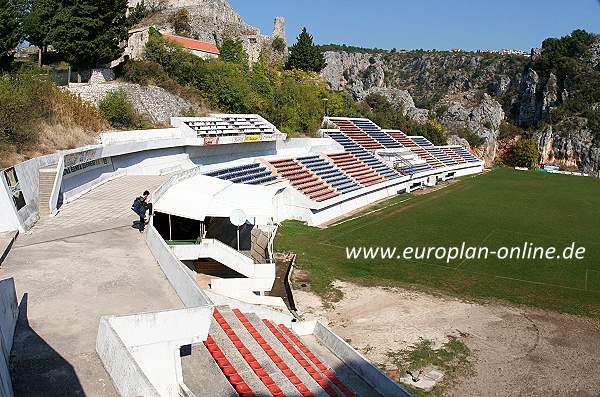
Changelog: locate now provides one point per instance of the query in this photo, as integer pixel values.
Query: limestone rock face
(483, 119)
(455, 140)
(157, 103)
(529, 109)
(579, 148)
(595, 54)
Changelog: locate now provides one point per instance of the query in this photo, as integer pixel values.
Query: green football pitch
(502, 208)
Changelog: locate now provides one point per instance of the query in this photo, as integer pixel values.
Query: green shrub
(278, 45)
(508, 130)
(181, 22)
(233, 51)
(524, 154)
(139, 12)
(118, 110)
(144, 73)
(471, 137)
(384, 113)
(37, 117)
(20, 110)
(432, 130)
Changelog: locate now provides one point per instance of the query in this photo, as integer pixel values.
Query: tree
(181, 22)
(10, 30)
(524, 153)
(278, 45)
(305, 55)
(139, 12)
(37, 24)
(432, 130)
(233, 51)
(385, 113)
(89, 33)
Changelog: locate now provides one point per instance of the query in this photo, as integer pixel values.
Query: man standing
(140, 206)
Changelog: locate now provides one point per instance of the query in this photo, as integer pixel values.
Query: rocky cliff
(478, 91)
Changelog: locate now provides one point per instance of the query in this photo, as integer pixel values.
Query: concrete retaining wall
(28, 174)
(141, 351)
(359, 364)
(9, 220)
(9, 312)
(179, 275)
(126, 374)
(206, 155)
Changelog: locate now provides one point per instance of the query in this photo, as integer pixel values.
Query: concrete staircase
(260, 358)
(46, 184)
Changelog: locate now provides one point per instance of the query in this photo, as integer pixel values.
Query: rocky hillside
(214, 21)
(552, 103)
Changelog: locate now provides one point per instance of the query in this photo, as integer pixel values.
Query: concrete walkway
(69, 271)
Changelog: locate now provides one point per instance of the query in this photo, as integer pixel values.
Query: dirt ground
(516, 351)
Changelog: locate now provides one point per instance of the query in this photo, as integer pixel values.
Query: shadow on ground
(36, 368)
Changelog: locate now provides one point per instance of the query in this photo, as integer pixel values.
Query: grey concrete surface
(6, 241)
(69, 271)
(341, 370)
(199, 367)
(106, 207)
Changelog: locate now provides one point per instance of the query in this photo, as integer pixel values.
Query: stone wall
(159, 104)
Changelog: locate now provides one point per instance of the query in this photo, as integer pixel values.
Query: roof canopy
(202, 196)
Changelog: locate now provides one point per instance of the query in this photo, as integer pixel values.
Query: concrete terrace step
(263, 359)
(260, 358)
(237, 361)
(200, 366)
(294, 365)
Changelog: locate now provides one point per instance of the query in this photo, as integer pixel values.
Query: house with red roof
(138, 37)
(202, 49)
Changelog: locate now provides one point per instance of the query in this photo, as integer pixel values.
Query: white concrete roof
(203, 196)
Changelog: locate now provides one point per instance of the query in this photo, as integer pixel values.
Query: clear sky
(427, 24)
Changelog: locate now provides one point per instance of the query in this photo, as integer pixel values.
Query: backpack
(137, 206)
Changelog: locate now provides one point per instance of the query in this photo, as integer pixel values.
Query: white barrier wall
(358, 363)
(179, 275)
(9, 220)
(207, 155)
(141, 351)
(214, 249)
(9, 312)
(28, 175)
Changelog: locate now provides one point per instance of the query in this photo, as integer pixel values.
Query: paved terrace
(70, 270)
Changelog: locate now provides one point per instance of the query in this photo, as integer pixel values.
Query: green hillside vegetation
(503, 208)
(37, 117)
(290, 98)
(568, 58)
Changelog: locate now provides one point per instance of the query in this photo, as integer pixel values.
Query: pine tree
(305, 55)
(37, 24)
(10, 30)
(89, 33)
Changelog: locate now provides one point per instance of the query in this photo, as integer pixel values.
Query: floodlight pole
(238, 239)
(325, 107)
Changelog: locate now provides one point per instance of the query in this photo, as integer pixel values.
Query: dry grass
(60, 121)
(50, 139)
(69, 110)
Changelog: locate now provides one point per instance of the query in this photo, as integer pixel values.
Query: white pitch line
(370, 212)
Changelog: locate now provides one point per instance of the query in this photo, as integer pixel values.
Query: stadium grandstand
(224, 184)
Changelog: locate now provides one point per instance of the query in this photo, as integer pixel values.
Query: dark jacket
(140, 206)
